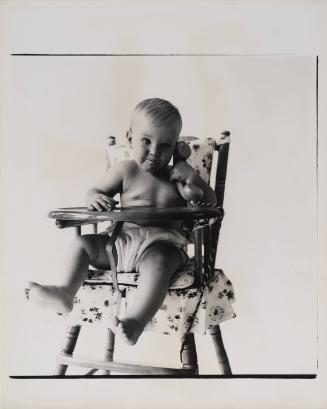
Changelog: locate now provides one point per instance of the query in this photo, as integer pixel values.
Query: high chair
(199, 297)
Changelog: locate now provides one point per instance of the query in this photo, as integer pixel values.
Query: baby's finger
(174, 176)
(109, 200)
(96, 206)
(105, 205)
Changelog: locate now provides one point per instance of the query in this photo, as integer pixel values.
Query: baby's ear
(129, 136)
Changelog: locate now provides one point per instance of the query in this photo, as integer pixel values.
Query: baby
(153, 250)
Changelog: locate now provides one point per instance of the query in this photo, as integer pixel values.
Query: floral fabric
(96, 303)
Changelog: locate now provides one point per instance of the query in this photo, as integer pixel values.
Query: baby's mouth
(154, 161)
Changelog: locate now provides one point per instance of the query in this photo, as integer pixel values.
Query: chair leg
(109, 351)
(189, 357)
(68, 347)
(109, 355)
(221, 354)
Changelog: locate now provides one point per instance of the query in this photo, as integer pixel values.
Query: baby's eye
(146, 141)
(165, 145)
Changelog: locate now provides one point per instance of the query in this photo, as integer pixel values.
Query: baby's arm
(184, 173)
(100, 196)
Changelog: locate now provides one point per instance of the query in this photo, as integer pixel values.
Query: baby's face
(152, 146)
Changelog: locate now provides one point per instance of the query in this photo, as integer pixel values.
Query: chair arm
(81, 215)
(73, 217)
(63, 224)
(193, 218)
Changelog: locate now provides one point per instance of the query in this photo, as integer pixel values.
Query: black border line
(317, 198)
(147, 55)
(240, 376)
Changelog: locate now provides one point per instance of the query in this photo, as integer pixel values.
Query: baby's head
(153, 133)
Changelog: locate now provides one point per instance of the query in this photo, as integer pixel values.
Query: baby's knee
(162, 256)
(86, 243)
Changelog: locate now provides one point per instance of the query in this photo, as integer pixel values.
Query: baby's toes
(121, 328)
(115, 321)
(27, 293)
(123, 331)
(29, 286)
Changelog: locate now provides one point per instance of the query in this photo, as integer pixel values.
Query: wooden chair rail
(141, 369)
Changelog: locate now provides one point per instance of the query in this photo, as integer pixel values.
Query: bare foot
(51, 297)
(129, 329)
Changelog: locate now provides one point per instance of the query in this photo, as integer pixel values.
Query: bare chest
(148, 190)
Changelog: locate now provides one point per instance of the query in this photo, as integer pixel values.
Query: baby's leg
(157, 266)
(84, 250)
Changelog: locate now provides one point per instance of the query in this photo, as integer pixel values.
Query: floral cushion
(201, 155)
(95, 304)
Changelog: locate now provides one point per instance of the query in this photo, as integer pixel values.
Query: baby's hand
(100, 202)
(181, 172)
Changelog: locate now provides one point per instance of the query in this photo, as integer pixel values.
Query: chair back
(209, 157)
(211, 234)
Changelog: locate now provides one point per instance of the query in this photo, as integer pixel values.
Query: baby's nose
(154, 151)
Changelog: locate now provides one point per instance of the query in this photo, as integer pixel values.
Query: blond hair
(161, 111)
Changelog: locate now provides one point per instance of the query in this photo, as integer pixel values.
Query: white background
(57, 111)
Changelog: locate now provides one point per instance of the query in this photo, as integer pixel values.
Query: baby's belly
(173, 224)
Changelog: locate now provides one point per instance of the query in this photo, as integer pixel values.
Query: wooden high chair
(208, 286)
